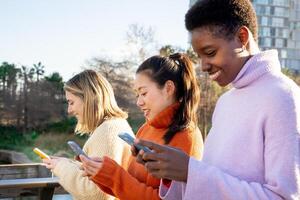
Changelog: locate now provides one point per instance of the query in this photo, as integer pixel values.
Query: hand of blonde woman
(164, 161)
(51, 163)
(91, 165)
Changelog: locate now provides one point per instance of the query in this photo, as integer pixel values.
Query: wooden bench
(27, 180)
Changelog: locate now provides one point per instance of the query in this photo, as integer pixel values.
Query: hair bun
(176, 56)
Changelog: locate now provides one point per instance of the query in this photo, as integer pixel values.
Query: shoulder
(281, 92)
(113, 124)
(112, 127)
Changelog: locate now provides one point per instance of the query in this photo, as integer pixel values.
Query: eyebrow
(142, 87)
(206, 47)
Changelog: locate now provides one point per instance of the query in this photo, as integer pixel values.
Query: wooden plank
(32, 179)
(17, 171)
(29, 183)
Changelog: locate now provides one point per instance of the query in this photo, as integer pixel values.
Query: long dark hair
(179, 69)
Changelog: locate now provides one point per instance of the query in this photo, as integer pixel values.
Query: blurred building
(279, 27)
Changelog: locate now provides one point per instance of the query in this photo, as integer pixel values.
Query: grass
(54, 144)
(52, 141)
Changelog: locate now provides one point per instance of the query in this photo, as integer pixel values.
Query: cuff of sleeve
(166, 182)
(175, 191)
(105, 174)
(196, 179)
(59, 169)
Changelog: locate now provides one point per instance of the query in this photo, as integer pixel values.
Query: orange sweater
(135, 182)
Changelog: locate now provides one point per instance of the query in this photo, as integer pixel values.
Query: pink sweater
(253, 148)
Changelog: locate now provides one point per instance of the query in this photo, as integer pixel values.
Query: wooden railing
(17, 180)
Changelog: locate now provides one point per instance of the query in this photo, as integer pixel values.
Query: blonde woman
(91, 100)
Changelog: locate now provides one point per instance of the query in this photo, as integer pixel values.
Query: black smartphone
(130, 140)
(76, 148)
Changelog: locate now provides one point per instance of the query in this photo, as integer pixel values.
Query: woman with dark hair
(253, 148)
(168, 94)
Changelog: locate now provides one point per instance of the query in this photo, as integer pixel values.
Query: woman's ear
(243, 35)
(170, 87)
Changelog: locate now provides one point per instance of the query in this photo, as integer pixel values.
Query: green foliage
(54, 144)
(12, 139)
(56, 79)
(135, 123)
(64, 126)
(293, 74)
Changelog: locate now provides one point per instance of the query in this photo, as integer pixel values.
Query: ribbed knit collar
(256, 66)
(165, 117)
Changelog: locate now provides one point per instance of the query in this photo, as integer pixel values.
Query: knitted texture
(136, 182)
(104, 141)
(253, 148)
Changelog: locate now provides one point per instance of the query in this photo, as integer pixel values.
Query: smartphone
(41, 153)
(76, 148)
(130, 140)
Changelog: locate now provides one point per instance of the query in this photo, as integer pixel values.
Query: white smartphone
(76, 148)
(130, 140)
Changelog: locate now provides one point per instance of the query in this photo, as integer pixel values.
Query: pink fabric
(253, 148)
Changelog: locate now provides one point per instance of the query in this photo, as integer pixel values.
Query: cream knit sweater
(103, 141)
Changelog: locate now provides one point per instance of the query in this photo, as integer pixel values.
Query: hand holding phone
(40, 153)
(130, 140)
(76, 148)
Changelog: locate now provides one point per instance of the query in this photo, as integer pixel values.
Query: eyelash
(211, 54)
(143, 94)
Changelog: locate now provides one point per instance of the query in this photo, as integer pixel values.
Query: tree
(38, 70)
(8, 79)
(167, 50)
(26, 74)
(141, 42)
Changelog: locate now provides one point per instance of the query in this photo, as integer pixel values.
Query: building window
(279, 42)
(264, 21)
(273, 42)
(285, 33)
(279, 11)
(266, 42)
(264, 31)
(277, 21)
(261, 1)
(273, 32)
(279, 2)
(283, 54)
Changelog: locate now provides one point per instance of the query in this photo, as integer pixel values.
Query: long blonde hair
(98, 98)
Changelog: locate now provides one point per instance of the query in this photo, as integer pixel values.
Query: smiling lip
(213, 76)
(146, 112)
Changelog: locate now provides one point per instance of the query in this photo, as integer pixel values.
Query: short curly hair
(223, 17)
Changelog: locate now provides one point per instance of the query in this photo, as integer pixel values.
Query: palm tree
(39, 70)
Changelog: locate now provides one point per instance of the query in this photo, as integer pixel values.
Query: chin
(223, 83)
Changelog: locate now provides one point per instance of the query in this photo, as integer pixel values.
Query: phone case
(76, 148)
(41, 153)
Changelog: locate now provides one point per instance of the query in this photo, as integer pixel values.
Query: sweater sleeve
(78, 186)
(103, 141)
(122, 184)
(281, 161)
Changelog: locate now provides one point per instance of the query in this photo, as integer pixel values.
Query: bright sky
(64, 34)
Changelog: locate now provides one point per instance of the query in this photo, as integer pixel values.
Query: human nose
(139, 102)
(205, 65)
